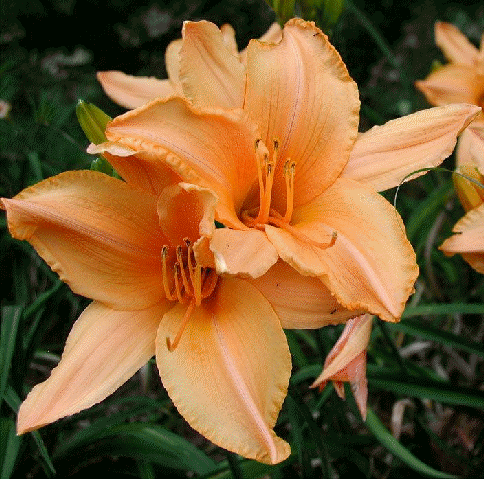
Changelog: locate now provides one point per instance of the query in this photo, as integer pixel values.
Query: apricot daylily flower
(293, 178)
(468, 231)
(219, 345)
(460, 80)
(347, 361)
(131, 92)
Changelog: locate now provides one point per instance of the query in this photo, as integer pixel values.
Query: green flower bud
(93, 121)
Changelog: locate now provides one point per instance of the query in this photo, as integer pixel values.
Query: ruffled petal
(210, 73)
(300, 301)
(300, 93)
(104, 349)
(454, 45)
(242, 252)
(452, 83)
(384, 155)
(371, 266)
(213, 149)
(132, 92)
(229, 374)
(468, 239)
(99, 234)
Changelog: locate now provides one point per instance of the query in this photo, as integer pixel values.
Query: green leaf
(388, 441)
(284, 9)
(443, 309)
(298, 443)
(13, 401)
(148, 442)
(11, 315)
(9, 447)
(441, 392)
(41, 300)
(299, 358)
(419, 222)
(445, 338)
(99, 428)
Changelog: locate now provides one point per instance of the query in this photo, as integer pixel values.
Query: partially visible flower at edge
(294, 179)
(347, 361)
(131, 92)
(461, 80)
(468, 231)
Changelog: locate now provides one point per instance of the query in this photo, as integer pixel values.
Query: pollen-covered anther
(289, 173)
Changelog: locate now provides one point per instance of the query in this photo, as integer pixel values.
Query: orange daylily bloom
(468, 231)
(132, 92)
(294, 179)
(139, 254)
(461, 80)
(347, 361)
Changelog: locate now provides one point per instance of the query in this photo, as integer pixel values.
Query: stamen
(198, 284)
(289, 171)
(260, 158)
(178, 291)
(173, 345)
(166, 287)
(269, 171)
(182, 270)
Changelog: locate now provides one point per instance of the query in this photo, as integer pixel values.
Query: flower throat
(266, 215)
(191, 282)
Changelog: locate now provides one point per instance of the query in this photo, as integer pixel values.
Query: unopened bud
(93, 121)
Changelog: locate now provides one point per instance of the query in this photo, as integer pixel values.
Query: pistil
(173, 345)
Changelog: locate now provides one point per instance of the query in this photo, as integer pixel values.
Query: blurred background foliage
(425, 373)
